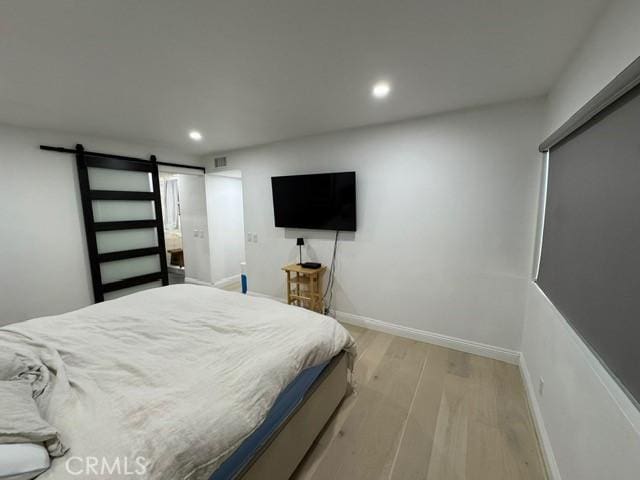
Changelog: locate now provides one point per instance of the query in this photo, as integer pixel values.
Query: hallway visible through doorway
(170, 195)
(226, 226)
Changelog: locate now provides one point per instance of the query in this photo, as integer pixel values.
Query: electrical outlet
(255, 238)
(541, 386)
(249, 237)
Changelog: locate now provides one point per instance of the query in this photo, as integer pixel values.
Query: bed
(197, 382)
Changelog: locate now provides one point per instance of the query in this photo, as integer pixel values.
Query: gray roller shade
(590, 266)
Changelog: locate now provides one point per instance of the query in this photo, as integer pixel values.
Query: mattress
(284, 406)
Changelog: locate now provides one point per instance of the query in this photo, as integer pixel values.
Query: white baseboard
(468, 346)
(225, 282)
(195, 281)
(545, 442)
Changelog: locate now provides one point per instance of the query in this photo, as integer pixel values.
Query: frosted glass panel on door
(130, 181)
(119, 210)
(127, 291)
(132, 267)
(118, 240)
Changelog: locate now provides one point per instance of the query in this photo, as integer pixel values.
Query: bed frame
(278, 458)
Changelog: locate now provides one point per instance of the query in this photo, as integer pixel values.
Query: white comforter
(177, 376)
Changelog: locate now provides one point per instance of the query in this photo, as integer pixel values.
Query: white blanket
(173, 378)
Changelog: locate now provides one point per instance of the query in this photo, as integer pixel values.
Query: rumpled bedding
(167, 382)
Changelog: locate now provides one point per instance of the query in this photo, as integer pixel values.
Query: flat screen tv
(324, 201)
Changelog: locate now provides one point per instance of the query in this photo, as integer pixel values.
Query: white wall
(592, 426)
(45, 268)
(446, 215)
(226, 225)
(612, 45)
(195, 231)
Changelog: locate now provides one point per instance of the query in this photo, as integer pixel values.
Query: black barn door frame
(84, 160)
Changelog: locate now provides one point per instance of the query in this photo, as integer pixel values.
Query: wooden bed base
(279, 457)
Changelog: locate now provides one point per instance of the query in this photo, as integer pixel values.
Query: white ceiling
(246, 72)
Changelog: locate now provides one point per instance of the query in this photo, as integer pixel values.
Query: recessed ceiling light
(381, 90)
(195, 135)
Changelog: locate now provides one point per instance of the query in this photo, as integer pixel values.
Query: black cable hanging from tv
(332, 271)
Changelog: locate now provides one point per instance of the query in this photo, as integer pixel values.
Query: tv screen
(325, 201)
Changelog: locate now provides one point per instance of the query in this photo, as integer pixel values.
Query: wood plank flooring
(420, 411)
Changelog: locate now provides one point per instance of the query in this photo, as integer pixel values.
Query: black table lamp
(300, 243)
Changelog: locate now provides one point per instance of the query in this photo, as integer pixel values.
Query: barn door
(123, 222)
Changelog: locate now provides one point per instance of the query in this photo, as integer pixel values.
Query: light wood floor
(233, 287)
(421, 411)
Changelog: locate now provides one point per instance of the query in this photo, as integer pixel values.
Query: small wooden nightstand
(304, 289)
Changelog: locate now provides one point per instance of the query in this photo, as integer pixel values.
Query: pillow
(20, 420)
(23, 461)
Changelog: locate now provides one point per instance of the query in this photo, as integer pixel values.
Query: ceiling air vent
(220, 162)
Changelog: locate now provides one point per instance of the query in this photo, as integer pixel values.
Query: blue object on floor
(243, 279)
(284, 405)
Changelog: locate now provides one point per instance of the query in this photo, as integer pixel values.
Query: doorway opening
(171, 218)
(226, 227)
